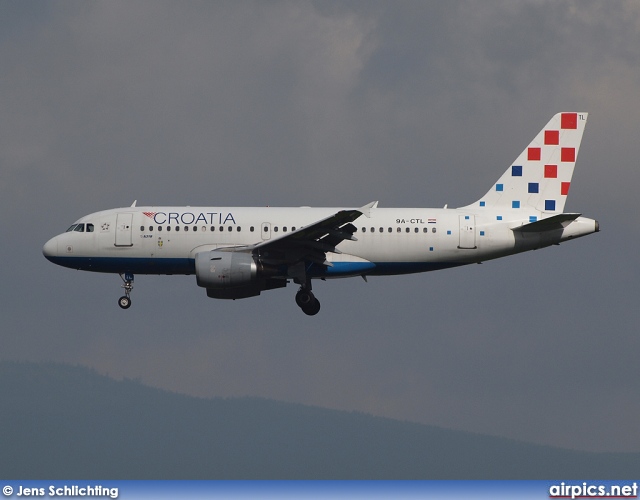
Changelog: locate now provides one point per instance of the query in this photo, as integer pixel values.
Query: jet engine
(232, 275)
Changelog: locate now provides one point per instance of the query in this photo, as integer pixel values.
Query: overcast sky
(414, 104)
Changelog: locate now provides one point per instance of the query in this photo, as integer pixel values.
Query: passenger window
(364, 229)
(390, 230)
(195, 228)
(293, 228)
(79, 228)
(213, 228)
(141, 228)
(433, 230)
(373, 229)
(407, 230)
(416, 230)
(265, 229)
(168, 228)
(159, 228)
(150, 228)
(89, 228)
(275, 229)
(186, 228)
(177, 228)
(252, 229)
(284, 229)
(230, 228)
(221, 228)
(399, 229)
(425, 230)
(238, 229)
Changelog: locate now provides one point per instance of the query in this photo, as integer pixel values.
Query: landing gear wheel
(125, 301)
(312, 308)
(307, 302)
(304, 298)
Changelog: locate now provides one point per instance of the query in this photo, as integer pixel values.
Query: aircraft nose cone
(50, 248)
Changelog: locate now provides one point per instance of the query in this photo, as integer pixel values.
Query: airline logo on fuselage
(188, 218)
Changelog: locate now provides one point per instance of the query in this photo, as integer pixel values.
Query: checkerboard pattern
(538, 181)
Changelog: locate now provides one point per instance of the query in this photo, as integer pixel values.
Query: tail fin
(539, 180)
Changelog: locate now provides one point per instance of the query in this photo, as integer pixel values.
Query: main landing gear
(125, 301)
(307, 301)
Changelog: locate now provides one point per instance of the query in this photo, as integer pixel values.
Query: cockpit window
(80, 228)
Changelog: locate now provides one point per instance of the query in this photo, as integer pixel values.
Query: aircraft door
(266, 231)
(467, 232)
(123, 230)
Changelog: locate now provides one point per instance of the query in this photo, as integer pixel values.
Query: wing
(310, 243)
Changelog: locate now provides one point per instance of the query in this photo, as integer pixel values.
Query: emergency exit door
(467, 232)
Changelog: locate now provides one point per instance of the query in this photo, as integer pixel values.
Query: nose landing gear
(125, 301)
(307, 301)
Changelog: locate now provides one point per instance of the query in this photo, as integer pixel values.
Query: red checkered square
(569, 120)
(564, 188)
(568, 154)
(551, 171)
(552, 137)
(533, 154)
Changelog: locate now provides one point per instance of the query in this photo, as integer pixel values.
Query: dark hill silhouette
(62, 422)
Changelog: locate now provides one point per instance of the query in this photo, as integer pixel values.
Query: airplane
(239, 252)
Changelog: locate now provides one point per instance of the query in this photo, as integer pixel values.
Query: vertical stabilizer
(538, 181)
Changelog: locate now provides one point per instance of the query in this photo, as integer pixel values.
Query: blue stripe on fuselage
(187, 266)
(376, 268)
(127, 265)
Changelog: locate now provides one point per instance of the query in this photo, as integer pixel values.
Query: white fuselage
(165, 240)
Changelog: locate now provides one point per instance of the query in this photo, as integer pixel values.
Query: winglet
(366, 210)
(134, 203)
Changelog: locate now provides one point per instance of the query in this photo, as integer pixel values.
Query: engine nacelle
(222, 270)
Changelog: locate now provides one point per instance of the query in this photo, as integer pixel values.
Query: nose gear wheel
(125, 301)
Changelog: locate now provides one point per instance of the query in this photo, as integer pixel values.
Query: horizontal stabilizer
(556, 222)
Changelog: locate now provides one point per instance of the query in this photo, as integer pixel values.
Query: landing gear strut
(125, 301)
(307, 301)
